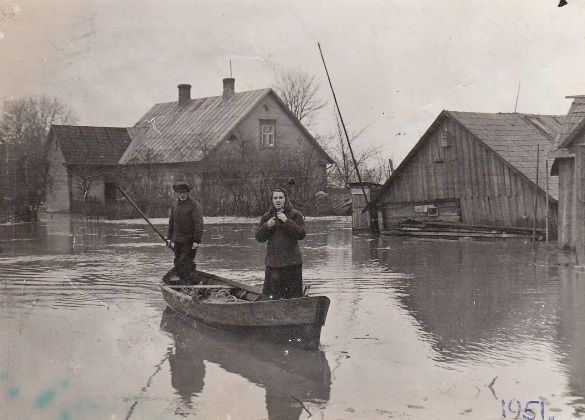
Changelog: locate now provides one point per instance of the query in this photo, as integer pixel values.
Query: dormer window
(268, 133)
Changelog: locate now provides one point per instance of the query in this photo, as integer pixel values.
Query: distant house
(233, 147)
(75, 152)
(474, 168)
(569, 165)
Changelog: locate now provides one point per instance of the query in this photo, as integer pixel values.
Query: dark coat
(185, 221)
(283, 247)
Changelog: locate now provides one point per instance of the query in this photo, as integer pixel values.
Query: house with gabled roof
(233, 147)
(74, 152)
(477, 169)
(569, 165)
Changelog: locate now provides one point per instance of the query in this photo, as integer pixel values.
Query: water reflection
(414, 317)
(571, 334)
(469, 297)
(288, 375)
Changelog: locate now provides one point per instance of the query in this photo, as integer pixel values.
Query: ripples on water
(413, 322)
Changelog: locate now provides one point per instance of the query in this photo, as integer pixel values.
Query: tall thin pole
(547, 209)
(344, 129)
(535, 199)
(517, 95)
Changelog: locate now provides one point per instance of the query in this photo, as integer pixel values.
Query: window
(445, 138)
(268, 133)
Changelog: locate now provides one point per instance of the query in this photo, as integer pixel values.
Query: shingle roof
(91, 145)
(181, 133)
(573, 122)
(516, 138)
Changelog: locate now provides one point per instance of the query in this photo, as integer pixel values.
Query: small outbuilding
(569, 166)
(476, 169)
(75, 152)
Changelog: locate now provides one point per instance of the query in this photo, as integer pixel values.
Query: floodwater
(417, 329)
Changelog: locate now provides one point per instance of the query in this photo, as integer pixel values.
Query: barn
(477, 169)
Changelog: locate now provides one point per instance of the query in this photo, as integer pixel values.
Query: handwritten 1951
(513, 409)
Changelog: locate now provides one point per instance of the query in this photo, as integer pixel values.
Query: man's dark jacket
(282, 249)
(185, 221)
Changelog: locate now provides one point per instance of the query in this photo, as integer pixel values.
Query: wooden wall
(291, 146)
(567, 203)
(449, 210)
(579, 204)
(489, 190)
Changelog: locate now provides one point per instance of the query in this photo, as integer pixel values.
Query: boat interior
(210, 288)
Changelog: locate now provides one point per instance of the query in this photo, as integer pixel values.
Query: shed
(361, 220)
(475, 168)
(569, 165)
(77, 151)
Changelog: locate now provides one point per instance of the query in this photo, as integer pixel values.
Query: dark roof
(90, 145)
(185, 133)
(514, 137)
(574, 122)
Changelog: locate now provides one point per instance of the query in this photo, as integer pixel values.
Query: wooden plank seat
(201, 286)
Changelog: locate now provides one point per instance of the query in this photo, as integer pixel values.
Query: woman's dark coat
(283, 248)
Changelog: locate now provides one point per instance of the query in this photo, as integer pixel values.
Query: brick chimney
(184, 94)
(228, 87)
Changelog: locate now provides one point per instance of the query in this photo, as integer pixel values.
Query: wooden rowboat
(237, 307)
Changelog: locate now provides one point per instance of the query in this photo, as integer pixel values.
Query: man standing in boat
(185, 229)
(282, 226)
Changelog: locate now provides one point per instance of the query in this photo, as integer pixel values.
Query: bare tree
(300, 92)
(241, 177)
(378, 170)
(23, 131)
(342, 172)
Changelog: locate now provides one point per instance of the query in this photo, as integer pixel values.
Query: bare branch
(300, 92)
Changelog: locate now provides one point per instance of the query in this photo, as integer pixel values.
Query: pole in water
(547, 204)
(535, 199)
(372, 227)
(145, 218)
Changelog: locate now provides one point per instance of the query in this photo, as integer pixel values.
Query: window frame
(268, 123)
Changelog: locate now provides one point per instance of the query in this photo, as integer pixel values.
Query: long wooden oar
(145, 218)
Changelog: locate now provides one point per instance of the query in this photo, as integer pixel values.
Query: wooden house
(75, 152)
(569, 165)
(233, 147)
(476, 169)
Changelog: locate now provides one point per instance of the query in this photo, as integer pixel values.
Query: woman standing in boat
(282, 226)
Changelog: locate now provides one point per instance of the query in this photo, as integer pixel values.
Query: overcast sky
(394, 64)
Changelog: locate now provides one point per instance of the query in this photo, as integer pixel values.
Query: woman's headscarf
(287, 205)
